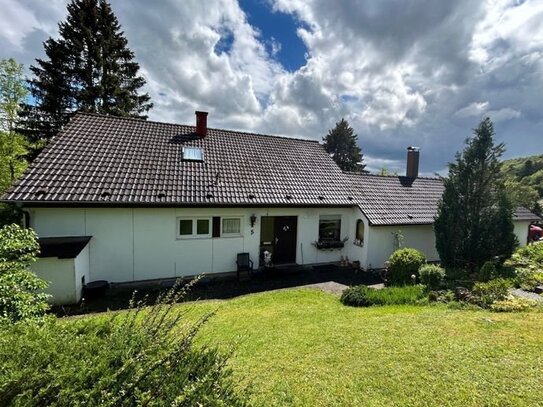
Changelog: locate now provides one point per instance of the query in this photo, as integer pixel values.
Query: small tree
(474, 220)
(341, 143)
(13, 146)
(19, 296)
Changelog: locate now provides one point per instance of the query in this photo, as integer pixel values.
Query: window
(231, 226)
(192, 228)
(329, 228)
(359, 240)
(193, 154)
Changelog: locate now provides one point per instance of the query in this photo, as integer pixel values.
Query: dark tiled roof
(394, 200)
(524, 214)
(111, 160)
(62, 247)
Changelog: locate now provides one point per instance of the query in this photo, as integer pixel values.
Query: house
(124, 200)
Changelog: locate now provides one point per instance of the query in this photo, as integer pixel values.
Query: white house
(138, 200)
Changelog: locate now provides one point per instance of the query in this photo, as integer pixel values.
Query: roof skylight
(193, 154)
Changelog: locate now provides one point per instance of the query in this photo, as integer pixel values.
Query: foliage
(341, 143)
(522, 195)
(19, 299)
(13, 147)
(528, 256)
(403, 264)
(445, 296)
(363, 296)
(88, 68)
(488, 271)
(431, 275)
(485, 294)
(528, 172)
(135, 358)
(474, 221)
(528, 278)
(513, 304)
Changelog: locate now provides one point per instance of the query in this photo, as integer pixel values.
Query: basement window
(193, 154)
(193, 228)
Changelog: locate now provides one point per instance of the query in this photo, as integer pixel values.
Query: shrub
(488, 271)
(513, 304)
(20, 298)
(431, 276)
(445, 296)
(404, 263)
(494, 290)
(140, 357)
(528, 256)
(528, 279)
(362, 296)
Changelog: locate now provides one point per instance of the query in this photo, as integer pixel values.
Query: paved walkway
(526, 294)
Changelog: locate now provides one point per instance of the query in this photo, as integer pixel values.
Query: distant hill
(526, 170)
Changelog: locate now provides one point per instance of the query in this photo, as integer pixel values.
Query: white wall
(381, 242)
(60, 274)
(140, 243)
(82, 276)
(521, 231)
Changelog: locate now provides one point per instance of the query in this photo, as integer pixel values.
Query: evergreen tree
(341, 143)
(89, 68)
(474, 223)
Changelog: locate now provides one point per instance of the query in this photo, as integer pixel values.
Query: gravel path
(526, 294)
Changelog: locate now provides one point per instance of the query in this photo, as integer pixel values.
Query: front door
(285, 231)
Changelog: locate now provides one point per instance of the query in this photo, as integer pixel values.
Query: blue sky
(277, 28)
(422, 72)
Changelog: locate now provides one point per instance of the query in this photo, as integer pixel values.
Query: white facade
(66, 277)
(136, 244)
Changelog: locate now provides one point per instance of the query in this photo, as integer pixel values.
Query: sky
(402, 73)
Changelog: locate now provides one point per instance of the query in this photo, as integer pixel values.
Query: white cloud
(475, 109)
(418, 75)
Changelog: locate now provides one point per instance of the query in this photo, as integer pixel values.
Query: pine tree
(89, 68)
(474, 223)
(341, 143)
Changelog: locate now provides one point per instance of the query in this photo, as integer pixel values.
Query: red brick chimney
(412, 169)
(201, 123)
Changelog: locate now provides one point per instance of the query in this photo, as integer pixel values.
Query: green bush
(488, 271)
(487, 293)
(431, 276)
(404, 263)
(20, 298)
(145, 356)
(362, 296)
(528, 279)
(513, 304)
(530, 256)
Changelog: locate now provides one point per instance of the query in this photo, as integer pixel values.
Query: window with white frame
(193, 228)
(231, 226)
(193, 154)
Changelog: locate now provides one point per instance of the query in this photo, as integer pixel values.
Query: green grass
(304, 348)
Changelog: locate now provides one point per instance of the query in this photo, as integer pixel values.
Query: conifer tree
(474, 223)
(88, 68)
(341, 143)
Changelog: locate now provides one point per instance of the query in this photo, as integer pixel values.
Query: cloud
(418, 74)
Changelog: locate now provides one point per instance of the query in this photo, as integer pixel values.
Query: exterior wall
(381, 243)
(134, 244)
(60, 273)
(82, 276)
(521, 231)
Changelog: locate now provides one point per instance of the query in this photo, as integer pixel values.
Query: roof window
(193, 154)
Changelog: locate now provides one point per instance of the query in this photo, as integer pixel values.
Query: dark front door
(285, 228)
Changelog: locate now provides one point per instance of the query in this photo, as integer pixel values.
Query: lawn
(304, 348)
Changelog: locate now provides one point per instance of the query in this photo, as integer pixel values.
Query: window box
(329, 244)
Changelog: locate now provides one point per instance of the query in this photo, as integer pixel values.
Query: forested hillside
(524, 180)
